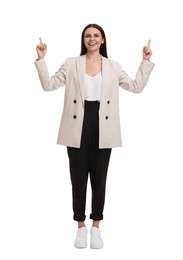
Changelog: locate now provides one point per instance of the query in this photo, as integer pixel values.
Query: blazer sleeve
(136, 85)
(50, 83)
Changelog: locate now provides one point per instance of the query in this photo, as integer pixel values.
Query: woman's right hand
(41, 49)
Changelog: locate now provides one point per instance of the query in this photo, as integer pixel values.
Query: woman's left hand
(147, 53)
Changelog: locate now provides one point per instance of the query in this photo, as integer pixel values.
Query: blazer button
(75, 101)
(108, 102)
(74, 116)
(106, 117)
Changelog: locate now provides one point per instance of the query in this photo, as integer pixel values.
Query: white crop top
(93, 87)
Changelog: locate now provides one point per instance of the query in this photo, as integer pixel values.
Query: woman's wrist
(40, 58)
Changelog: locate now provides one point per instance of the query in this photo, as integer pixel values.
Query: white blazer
(71, 74)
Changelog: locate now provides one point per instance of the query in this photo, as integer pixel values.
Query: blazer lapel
(81, 68)
(105, 78)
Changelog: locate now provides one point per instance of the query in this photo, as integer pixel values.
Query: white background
(143, 211)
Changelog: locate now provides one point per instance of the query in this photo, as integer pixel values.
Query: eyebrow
(88, 34)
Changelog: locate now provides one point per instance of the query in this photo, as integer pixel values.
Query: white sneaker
(81, 238)
(96, 241)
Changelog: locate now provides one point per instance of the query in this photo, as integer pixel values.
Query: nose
(92, 38)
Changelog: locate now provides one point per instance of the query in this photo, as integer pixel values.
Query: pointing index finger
(148, 45)
(40, 40)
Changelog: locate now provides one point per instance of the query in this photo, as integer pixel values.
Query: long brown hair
(103, 47)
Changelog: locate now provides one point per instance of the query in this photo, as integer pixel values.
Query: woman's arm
(48, 83)
(137, 85)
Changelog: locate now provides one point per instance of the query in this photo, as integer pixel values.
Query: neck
(94, 56)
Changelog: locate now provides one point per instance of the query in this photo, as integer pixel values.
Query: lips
(92, 44)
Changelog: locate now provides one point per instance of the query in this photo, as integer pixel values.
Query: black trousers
(89, 160)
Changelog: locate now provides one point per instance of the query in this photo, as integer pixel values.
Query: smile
(92, 44)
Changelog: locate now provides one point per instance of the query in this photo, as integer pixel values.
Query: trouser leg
(78, 161)
(98, 177)
(79, 177)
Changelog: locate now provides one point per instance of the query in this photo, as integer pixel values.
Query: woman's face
(93, 39)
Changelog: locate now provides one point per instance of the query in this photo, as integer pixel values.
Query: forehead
(92, 30)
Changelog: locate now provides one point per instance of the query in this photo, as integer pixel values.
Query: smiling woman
(97, 32)
(93, 40)
(90, 125)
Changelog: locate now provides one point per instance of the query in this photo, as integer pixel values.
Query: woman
(90, 125)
